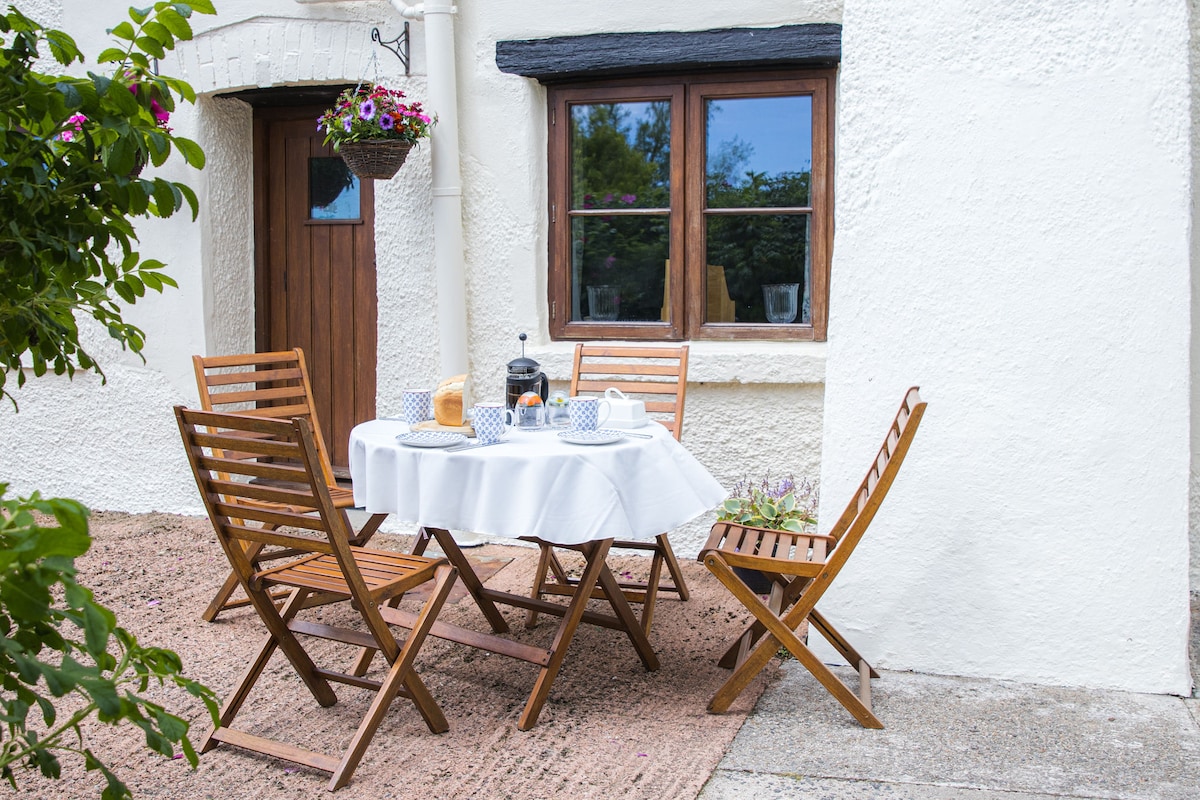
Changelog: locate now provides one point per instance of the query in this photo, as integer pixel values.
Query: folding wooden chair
(658, 377)
(274, 385)
(325, 568)
(801, 567)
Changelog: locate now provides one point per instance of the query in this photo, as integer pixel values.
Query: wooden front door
(315, 266)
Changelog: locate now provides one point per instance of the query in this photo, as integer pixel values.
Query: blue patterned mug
(418, 405)
(585, 413)
(488, 422)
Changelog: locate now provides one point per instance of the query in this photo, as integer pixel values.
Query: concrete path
(962, 738)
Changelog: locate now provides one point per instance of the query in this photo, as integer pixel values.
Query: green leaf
(97, 628)
(62, 47)
(159, 33)
(125, 292)
(203, 6)
(793, 525)
(124, 31)
(193, 204)
(151, 46)
(109, 55)
(140, 15)
(191, 151)
(176, 23)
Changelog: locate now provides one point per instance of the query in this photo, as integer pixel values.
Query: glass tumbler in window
(780, 301)
(604, 302)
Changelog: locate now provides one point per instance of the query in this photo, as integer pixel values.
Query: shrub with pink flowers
(375, 112)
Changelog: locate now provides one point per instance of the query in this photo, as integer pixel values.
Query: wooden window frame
(686, 289)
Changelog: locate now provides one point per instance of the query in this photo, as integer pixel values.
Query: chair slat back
(235, 504)
(655, 375)
(852, 524)
(273, 385)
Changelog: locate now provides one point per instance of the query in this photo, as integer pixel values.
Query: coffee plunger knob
(522, 337)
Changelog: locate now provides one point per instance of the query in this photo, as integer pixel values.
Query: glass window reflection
(621, 155)
(332, 190)
(758, 152)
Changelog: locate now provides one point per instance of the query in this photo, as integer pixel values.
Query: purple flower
(367, 111)
(346, 123)
(610, 262)
(386, 122)
(608, 198)
(628, 199)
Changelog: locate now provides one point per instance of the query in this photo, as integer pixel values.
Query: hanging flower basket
(375, 158)
(372, 129)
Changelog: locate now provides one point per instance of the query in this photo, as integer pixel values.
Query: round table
(534, 484)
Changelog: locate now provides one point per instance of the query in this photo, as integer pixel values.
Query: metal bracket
(399, 46)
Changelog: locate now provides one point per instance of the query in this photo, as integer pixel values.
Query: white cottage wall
(1194, 505)
(1013, 223)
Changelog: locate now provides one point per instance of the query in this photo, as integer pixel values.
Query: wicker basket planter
(375, 158)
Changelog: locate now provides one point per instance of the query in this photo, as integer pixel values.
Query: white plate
(591, 437)
(431, 438)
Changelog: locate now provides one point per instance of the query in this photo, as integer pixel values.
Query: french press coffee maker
(524, 375)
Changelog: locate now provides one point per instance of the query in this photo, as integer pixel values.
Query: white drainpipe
(438, 16)
(447, 183)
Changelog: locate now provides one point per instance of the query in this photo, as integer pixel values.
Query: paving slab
(963, 737)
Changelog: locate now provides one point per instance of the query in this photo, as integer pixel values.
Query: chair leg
(278, 637)
(780, 631)
(400, 675)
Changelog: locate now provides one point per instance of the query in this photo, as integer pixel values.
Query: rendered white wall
(1194, 505)
(1013, 235)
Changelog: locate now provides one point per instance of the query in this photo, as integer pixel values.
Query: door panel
(315, 276)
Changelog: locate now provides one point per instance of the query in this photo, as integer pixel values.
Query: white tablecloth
(535, 484)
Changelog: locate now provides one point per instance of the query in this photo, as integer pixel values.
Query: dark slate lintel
(612, 55)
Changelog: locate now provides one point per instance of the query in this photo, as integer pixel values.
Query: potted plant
(372, 129)
(781, 506)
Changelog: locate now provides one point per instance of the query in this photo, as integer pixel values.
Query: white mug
(488, 422)
(585, 413)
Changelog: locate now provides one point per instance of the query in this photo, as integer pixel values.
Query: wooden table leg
(466, 574)
(616, 598)
(566, 631)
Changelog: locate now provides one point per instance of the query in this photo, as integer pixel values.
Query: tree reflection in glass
(620, 206)
(758, 157)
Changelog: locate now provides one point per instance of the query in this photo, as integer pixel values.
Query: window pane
(747, 252)
(618, 268)
(332, 190)
(759, 152)
(620, 155)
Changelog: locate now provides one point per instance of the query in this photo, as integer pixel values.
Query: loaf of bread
(448, 401)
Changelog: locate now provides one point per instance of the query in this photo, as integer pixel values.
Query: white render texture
(1013, 235)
